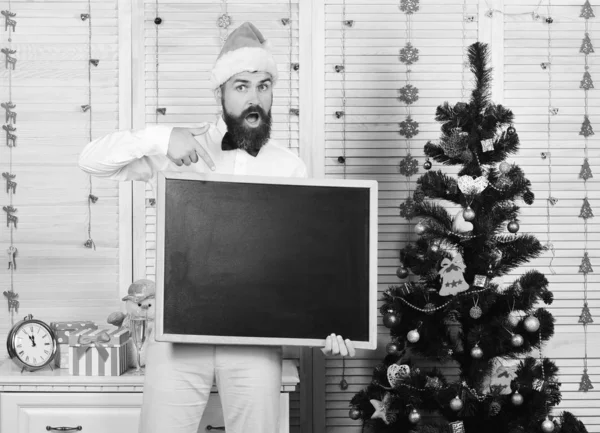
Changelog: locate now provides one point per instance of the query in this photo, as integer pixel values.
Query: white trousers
(179, 378)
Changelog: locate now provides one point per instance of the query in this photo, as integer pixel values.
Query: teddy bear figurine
(138, 302)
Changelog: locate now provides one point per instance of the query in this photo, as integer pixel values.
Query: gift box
(61, 359)
(98, 352)
(62, 330)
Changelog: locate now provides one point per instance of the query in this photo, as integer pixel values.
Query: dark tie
(228, 144)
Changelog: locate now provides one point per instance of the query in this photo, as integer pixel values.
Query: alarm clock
(31, 344)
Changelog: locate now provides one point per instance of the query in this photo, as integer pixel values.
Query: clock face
(33, 344)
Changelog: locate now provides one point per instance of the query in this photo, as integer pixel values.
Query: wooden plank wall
(374, 150)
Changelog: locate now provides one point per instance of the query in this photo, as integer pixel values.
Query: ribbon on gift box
(101, 337)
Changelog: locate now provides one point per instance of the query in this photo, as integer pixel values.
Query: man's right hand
(184, 149)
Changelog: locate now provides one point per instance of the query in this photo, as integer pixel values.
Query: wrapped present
(63, 329)
(98, 352)
(61, 359)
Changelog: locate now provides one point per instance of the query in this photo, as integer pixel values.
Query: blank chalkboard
(265, 260)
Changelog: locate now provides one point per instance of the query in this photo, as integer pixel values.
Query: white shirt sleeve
(128, 155)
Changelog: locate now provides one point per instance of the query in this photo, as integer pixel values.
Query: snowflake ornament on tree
(586, 171)
(586, 82)
(409, 6)
(409, 166)
(408, 94)
(409, 54)
(586, 210)
(409, 128)
(586, 45)
(586, 127)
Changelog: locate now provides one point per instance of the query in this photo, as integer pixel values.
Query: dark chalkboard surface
(264, 260)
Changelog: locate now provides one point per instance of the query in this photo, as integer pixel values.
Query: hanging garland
(87, 108)
(586, 173)
(293, 67)
(9, 127)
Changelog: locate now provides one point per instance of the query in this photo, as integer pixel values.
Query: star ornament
(382, 409)
(409, 6)
(409, 54)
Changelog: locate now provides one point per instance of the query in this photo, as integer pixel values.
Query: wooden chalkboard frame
(161, 335)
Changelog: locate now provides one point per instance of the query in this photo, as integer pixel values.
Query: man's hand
(336, 345)
(184, 149)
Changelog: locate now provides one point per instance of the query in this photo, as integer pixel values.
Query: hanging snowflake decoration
(585, 317)
(409, 6)
(409, 166)
(407, 209)
(586, 210)
(409, 54)
(586, 82)
(586, 384)
(224, 21)
(408, 94)
(586, 45)
(586, 170)
(586, 127)
(586, 11)
(409, 128)
(586, 266)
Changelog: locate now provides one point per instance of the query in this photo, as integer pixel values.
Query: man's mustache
(254, 109)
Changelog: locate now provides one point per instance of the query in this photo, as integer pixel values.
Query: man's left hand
(336, 345)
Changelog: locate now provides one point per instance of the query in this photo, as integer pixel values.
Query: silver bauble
(516, 399)
(456, 404)
(531, 323)
(434, 248)
(547, 426)
(476, 352)
(413, 336)
(420, 228)
(402, 272)
(516, 340)
(513, 226)
(469, 214)
(475, 312)
(513, 319)
(504, 167)
(414, 417)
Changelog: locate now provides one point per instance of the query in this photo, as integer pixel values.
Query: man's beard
(248, 138)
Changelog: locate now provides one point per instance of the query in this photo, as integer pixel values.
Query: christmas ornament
(586, 82)
(469, 185)
(453, 280)
(469, 214)
(460, 106)
(487, 145)
(392, 348)
(456, 404)
(413, 336)
(586, 11)
(409, 54)
(397, 373)
(456, 143)
(391, 319)
(341, 159)
(409, 128)
(408, 94)
(516, 399)
(457, 427)
(427, 165)
(549, 20)
(531, 323)
(409, 6)
(586, 384)
(419, 195)
(382, 409)
(476, 352)
(586, 266)
(475, 312)
(504, 167)
(434, 248)
(402, 272)
(344, 384)
(479, 280)
(409, 166)
(586, 127)
(517, 340)
(585, 317)
(586, 171)
(355, 413)
(495, 408)
(586, 210)
(459, 225)
(511, 130)
(414, 416)
(586, 45)
(547, 426)
(513, 226)
(433, 383)
(429, 308)
(420, 228)
(513, 319)
(407, 209)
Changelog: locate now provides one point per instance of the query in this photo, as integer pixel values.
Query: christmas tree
(454, 308)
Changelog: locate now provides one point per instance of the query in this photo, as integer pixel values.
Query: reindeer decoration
(10, 183)
(11, 116)
(8, 20)
(10, 218)
(9, 59)
(11, 139)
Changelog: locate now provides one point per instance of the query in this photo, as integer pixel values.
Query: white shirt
(141, 154)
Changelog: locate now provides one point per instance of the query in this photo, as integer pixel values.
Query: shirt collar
(221, 129)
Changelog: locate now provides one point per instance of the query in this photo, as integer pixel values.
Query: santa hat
(244, 50)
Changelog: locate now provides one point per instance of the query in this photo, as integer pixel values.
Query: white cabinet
(47, 401)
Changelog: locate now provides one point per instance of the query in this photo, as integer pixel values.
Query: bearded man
(179, 377)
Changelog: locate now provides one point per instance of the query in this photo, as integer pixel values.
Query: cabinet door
(90, 412)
